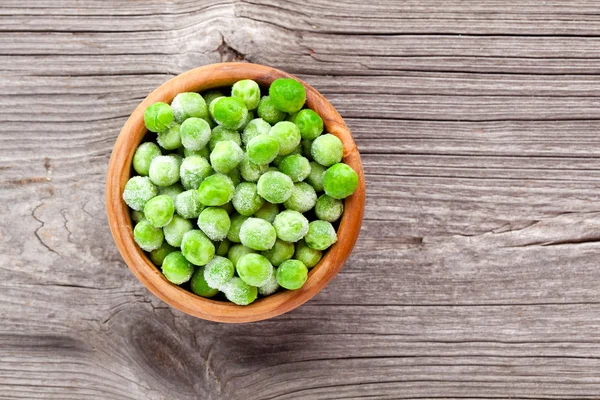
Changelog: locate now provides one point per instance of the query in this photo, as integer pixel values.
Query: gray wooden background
(476, 273)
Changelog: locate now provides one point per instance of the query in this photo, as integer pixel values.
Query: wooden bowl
(119, 171)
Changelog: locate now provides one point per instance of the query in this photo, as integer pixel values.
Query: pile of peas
(237, 194)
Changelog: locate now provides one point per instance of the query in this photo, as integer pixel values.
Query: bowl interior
(119, 170)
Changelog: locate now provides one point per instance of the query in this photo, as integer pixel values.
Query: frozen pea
(136, 216)
(200, 286)
(280, 252)
(144, 154)
(229, 112)
(170, 139)
(270, 286)
(138, 190)
(262, 149)
(292, 274)
(164, 170)
(189, 105)
(211, 106)
(327, 150)
(175, 230)
(158, 117)
(321, 235)
(268, 212)
(176, 268)
(275, 187)
(310, 257)
(287, 94)
(172, 190)
(237, 251)
(214, 222)
(210, 95)
(267, 111)
(228, 207)
(295, 166)
(290, 226)
(249, 117)
(248, 92)
(302, 199)
(147, 236)
(197, 247)
(239, 292)
(220, 134)
(309, 123)
(188, 204)
(223, 248)
(340, 181)
(250, 171)
(256, 127)
(204, 152)
(257, 234)
(315, 178)
(193, 171)
(328, 208)
(216, 190)
(226, 156)
(218, 272)
(254, 269)
(195, 134)
(306, 146)
(246, 199)
(157, 256)
(159, 210)
(235, 176)
(288, 136)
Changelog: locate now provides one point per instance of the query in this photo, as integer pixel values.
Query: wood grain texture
(476, 272)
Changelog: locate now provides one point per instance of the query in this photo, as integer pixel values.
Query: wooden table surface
(476, 273)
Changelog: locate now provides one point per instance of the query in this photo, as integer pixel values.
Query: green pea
(175, 230)
(157, 256)
(246, 199)
(193, 171)
(204, 152)
(320, 235)
(218, 272)
(197, 247)
(220, 134)
(254, 269)
(249, 117)
(176, 268)
(194, 133)
(223, 248)
(214, 222)
(340, 181)
(236, 224)
(239, 292)
(262, 149)
(310, 257)
(235, 176)
(250, 171)
(216, 190)
(288, 136)
(172, 190)
(171, 138)
(280, 252)
(138, 190)
(144, 154)
(188, 204)
(256, 127)
(328, 208)
(275, 187)
(288, 94)
(295, 166)
(189, 105)
(271, 286)
(211, 95)
(136, 216)
(229, 112)
(226, 156)
(158, 117)
(267, 111)
(237, 251)
(248, 92)
(292, 274)
(228, 207)
(315, 178)
(309, 123)
(268, 212)
(199, 285)
(302, 199)
(327, 150)
(290, 226)
(164, 170)
(147, 236)
(159, 210)
(306, 147)
(257, 234)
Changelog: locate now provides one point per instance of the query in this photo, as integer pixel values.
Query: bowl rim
(119, 171)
